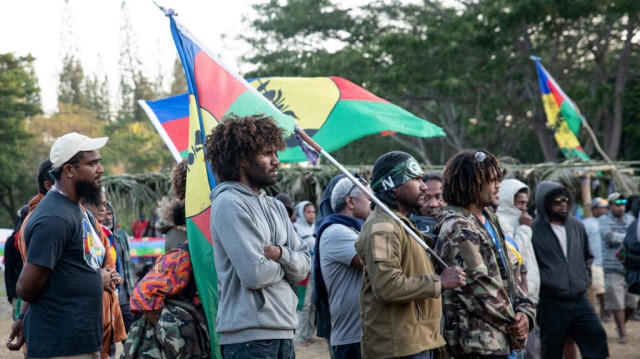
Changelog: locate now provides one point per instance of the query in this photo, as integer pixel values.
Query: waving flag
(214, 91)
(563, 117)
(332, 110)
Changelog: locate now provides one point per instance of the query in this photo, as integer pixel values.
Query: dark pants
(559, 317)
(347, 351)
(260, 349)
(476, 356)
(127, 316)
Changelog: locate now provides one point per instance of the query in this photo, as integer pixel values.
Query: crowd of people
(508, 276)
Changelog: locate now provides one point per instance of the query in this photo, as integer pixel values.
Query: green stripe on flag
(202, 262)
(354, 119)
(572, 117)
(574, 153)
(251, 103)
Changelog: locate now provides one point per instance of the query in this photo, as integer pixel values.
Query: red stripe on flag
(217, 88)
(556, 94)
(351, 91)
(202, 221)
(387, 133)
(178, 131)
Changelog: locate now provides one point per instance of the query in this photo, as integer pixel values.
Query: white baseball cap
(68, 145)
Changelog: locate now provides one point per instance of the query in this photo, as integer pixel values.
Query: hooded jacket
(560, 277)
(303, 228)
(256, 301)
(521, 234)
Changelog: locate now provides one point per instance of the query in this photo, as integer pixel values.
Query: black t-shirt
(66, 319)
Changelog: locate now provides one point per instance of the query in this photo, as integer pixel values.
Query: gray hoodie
(255, 301)
(509, 216)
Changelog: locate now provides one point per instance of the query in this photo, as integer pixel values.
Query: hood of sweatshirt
(542, 190)
(301, 223)
(507, 210)
(225, 186)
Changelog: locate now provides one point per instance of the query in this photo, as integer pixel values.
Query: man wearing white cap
(61, 278)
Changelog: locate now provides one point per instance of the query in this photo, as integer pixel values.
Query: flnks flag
(563, 117)
(332, 110)
(214, 91)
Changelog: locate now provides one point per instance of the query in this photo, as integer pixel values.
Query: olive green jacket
(400, 306)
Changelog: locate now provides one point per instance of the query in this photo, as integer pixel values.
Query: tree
(19, 100)
(71, 82)
(179, 80)
(98, 97)
(134, 145)
(466, 68)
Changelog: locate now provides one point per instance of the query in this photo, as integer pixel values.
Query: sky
(44, 28)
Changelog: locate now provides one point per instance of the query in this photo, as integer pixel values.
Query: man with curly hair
(490, 316)
(256, 250)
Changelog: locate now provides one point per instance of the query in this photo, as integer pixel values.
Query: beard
(559, 216)
(89, 192)
(260, 176)
(108, 222)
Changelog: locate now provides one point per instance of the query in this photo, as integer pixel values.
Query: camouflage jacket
(478, 314)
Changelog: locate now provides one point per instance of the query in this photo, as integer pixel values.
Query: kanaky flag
(563, 117)
(214, 91)
(332, 110)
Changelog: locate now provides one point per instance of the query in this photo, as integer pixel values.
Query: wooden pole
(586, 194)
(614, 171)
(378, 203)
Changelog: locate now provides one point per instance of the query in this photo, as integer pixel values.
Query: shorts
(597, 279)
(616, 296)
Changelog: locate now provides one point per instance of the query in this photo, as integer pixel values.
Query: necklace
(55, 189)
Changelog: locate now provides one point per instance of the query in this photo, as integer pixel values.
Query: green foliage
(19, 100)
(132, 194)
(71, 82)
(465, 68)
(179, 82)
(631, 126)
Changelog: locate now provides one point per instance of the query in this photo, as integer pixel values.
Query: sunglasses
(561, 200)
(480, 156)
(620, 202)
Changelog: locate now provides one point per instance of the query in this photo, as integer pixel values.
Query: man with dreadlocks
(257, 252)
(400, 307)
(491, 316)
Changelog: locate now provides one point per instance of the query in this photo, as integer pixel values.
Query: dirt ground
(319, 349)
(631, 350)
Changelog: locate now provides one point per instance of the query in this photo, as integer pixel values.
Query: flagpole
(596, 144)
(584, 122)
(378, 203)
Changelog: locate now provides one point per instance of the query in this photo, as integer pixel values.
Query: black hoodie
(560, 277)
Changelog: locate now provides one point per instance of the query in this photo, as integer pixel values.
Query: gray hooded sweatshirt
(560, 277)
(255, 300)
(509, 216)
